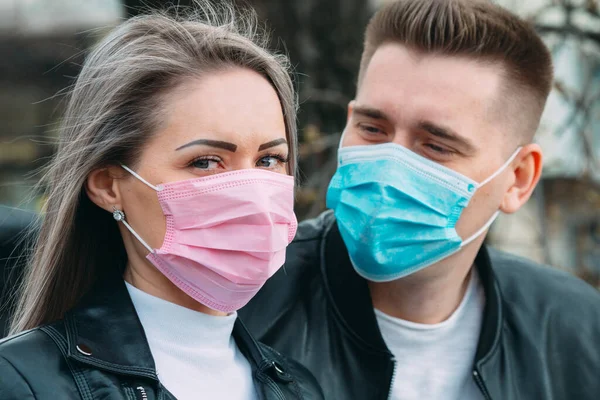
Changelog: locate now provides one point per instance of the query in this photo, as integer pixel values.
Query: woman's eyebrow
(272, 143)
(212, 143)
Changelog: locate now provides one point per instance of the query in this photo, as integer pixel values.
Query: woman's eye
(205, 163)
(270, 161)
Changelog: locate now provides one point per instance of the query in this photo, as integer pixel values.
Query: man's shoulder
(305, 250)
(550, 327)
(313, 229)
(530, 287)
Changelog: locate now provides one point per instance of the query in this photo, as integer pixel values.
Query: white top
(435, 362)
(195, 354)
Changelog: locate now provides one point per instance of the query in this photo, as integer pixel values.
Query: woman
(169, 204)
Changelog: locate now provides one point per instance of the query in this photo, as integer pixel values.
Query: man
(392, 294)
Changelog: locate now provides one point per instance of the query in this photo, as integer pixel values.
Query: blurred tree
(134, 7)
(324, 42)
(562, 230)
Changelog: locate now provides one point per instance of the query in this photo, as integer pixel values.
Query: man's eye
(369, 129)
(438, 149)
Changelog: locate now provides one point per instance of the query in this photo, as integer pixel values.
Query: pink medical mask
(226, 234)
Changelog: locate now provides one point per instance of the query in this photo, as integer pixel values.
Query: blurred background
(43, 43)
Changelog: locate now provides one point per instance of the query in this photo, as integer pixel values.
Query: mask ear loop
(132, 172)
(119, 216)
(481, 230)
(502, 168)
(497, 213)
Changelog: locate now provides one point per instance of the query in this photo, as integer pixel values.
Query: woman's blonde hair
(113, 109)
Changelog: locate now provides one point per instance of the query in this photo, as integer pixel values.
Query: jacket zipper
(392, 381)
(129, 392)
(481, 385)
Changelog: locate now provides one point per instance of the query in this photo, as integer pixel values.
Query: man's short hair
(476, 29)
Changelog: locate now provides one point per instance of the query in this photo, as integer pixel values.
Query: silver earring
(118, 215)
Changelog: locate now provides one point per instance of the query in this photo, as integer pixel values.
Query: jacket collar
(491, 327)
(350, 293)
(104, 331)
(352, 300)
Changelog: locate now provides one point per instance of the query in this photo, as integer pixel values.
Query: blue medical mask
(397, 210)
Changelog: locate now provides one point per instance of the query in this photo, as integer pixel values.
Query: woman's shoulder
(306, 382)
(23, 343)
(30, 362)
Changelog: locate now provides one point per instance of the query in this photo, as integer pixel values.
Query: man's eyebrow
(447, 134)
(212, 143)
(272, 143)
(370, 112)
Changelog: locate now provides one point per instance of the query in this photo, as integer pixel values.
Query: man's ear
(102, 187)
(528, 170)
(350, 110)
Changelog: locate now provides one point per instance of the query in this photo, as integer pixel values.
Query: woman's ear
(528, 171)
(102, 188)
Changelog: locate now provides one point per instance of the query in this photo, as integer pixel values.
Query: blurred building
(41, 45)
(561, 224)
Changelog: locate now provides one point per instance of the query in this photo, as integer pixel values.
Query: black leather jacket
(540, 337)
(99, 351)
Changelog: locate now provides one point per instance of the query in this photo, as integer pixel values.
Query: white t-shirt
(435, 362)
(195, 354)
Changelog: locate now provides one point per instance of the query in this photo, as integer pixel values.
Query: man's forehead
(458, 91)
(400, 68)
